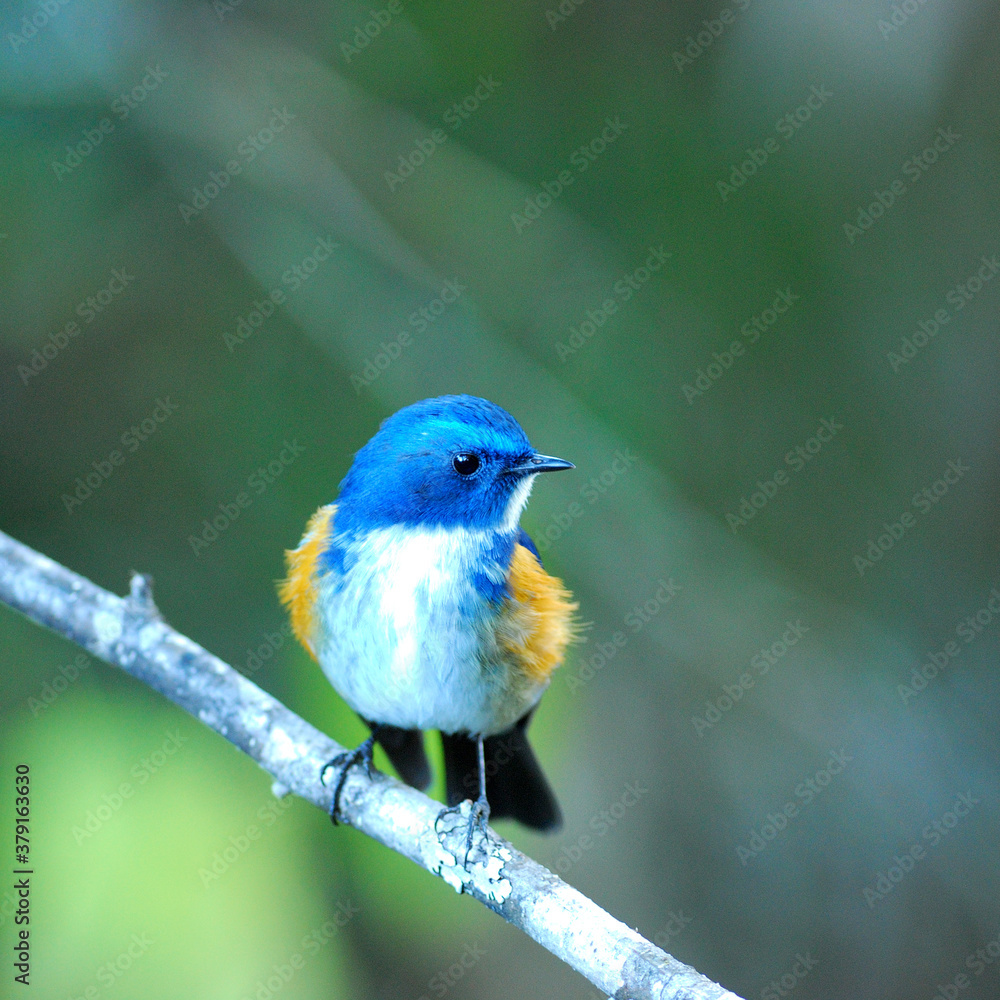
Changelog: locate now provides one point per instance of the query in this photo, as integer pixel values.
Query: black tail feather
(515, 785)
(405, 750)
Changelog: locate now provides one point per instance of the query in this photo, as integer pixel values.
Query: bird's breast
(409, 627)
(428, 627)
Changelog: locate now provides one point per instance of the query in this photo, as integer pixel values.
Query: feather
(298, 591)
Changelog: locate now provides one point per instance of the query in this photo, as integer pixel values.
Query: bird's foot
(345, 761)
(478, 819)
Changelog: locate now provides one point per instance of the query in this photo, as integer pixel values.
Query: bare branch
(129, 633)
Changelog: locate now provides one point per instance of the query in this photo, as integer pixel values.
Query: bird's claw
(478, 819)
(345, 761)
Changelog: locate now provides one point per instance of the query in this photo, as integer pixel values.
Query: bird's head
(450, 461)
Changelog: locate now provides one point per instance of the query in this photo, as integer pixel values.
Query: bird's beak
(541, 463)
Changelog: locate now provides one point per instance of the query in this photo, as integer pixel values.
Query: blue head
(450, 461)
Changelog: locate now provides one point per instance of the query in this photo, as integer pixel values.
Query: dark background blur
(167, 167)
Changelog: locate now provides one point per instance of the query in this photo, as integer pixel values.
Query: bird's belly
(416, 647)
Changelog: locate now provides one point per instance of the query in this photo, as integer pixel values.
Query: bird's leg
(479, 815)
(345, 761)
(480, 808)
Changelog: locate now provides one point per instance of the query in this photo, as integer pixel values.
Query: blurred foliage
(139, 174)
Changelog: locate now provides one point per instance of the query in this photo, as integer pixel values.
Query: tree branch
(129, 633)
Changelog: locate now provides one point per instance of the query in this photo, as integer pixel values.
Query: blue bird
(427, 607)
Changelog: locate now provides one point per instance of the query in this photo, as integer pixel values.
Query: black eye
(465, 463)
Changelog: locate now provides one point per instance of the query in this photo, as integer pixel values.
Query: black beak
(541, 463)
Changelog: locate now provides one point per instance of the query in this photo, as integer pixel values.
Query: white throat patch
(516, 503)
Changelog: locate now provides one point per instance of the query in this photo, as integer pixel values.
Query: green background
(647, 738)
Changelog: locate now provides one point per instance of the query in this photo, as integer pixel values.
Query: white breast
(407, 638)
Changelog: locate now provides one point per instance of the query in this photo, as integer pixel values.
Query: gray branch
(129, 633)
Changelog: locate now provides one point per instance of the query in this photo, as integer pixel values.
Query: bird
(427, 607)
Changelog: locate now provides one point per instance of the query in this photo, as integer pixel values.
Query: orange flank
(537, 624)
(298, 592)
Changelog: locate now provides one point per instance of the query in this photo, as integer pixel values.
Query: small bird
(427, 607)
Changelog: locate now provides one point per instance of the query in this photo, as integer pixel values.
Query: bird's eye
(465, 463)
